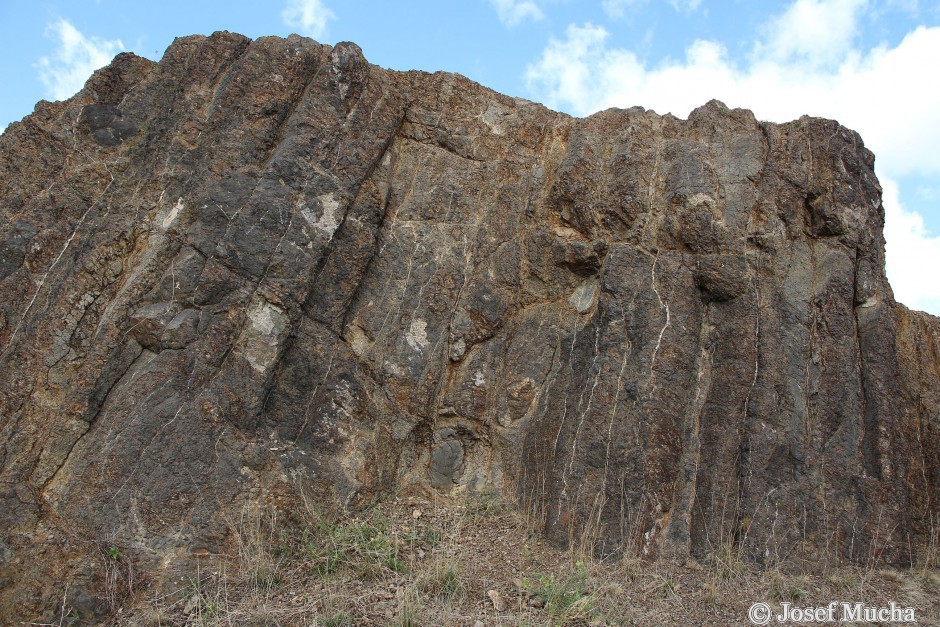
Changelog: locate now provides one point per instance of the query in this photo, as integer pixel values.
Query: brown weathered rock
(261, 268)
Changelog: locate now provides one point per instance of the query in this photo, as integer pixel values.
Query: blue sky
(871, 64)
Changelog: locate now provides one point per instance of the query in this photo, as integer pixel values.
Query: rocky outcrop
(264, 269)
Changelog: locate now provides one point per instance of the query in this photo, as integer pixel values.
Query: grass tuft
(565, 595)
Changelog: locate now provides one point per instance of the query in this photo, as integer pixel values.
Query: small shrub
(664, 586)
(339, 619)
(845, 580)
(365, 547)
(201, 607)
(407, 609)
(727, 563)
(782, 588)
(633, 568)
(711, 594)
(254, 536)
(118, 576)
(565, 596)
(442, 580)
(485, 505)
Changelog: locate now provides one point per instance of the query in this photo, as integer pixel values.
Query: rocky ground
(414, 561)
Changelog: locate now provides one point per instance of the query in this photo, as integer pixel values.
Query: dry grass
(420, 562)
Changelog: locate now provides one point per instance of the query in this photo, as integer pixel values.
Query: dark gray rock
(261, 268)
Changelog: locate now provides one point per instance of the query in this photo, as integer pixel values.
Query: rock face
(264, 269)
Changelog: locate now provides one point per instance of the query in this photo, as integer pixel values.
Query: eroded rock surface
(263, 268)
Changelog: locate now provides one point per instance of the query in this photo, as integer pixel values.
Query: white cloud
(813, 31)
(583, 75)
(685, 5)
(74, 60)
(309, 17)
(911, 6)
(513, 12)
(930, 193)
(884, 93)
(912, 256)
(618, 8)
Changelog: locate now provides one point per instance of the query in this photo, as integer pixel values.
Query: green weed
(565, 595)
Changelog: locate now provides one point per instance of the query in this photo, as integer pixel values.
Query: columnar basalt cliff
(260, 269)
